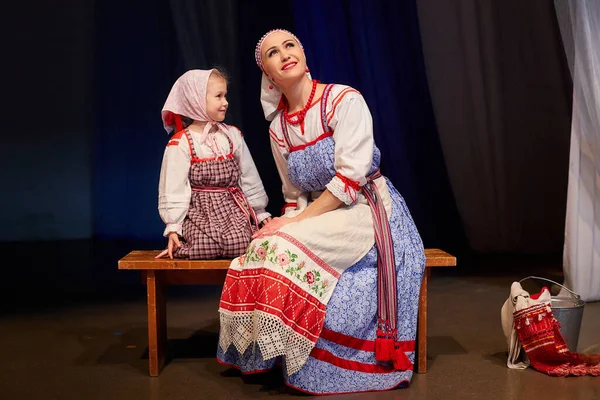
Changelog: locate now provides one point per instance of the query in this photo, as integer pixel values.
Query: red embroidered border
(306, 317)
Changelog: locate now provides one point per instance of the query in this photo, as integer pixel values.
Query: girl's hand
(174, 244)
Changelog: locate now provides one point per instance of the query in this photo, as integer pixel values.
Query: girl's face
(216, 98)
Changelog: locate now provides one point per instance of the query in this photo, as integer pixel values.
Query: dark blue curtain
(141, 48)
(136, 64)
(375, 47)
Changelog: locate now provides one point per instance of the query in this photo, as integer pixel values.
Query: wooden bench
(164, 271)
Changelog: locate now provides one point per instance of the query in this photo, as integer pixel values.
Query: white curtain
(580, 27)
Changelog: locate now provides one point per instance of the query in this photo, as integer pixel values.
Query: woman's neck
(297, 94)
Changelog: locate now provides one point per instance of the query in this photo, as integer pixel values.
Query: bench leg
(157, 322)
(422, 325)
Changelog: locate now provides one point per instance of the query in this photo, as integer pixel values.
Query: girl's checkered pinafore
(219, 221)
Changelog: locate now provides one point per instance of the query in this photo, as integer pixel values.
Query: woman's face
(282, 57)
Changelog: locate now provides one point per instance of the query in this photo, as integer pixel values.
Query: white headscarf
(188, 98)
(270, 94)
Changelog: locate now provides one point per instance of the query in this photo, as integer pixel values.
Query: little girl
(210, 193)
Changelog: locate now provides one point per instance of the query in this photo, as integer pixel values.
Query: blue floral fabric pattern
(312, 168)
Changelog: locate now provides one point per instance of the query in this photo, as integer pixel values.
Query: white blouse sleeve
(290, 192)
(352, 126)
(250, 181)
(174, 189)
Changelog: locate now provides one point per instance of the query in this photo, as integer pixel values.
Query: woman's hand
(271, 226)
(174, 244)
(266, 221)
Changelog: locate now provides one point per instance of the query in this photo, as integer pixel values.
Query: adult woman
(317, 288)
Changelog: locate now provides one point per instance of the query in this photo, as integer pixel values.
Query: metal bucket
(569, 313)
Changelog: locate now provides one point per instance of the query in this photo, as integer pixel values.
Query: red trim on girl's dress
(174, 141)
(196, 159)
(191, 146)
(178, 135)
